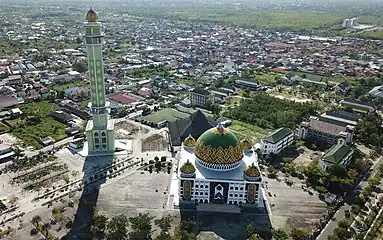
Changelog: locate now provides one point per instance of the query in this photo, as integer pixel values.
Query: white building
(276, 141)
(346, 23)
(219, 169)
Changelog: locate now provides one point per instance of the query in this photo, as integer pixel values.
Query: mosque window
(103, 134)
(206, 193)
(235, 195)
(235, 202)
(104, 146)
(240, 195)
(231, 188)
(236, 188)
(230, 202)
(240, 202)
(201, 186)
(241, 188)
(206, 186)
(230, 195)
(206, 201)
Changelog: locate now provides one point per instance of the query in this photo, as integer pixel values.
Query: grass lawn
(242, 130)
(268, 78)
(46, 127)
(167, 114)
(69, 85)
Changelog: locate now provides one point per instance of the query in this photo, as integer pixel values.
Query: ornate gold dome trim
(91, 16)
(189, 141)
(218, 155)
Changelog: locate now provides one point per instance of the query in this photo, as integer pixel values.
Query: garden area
(157, 165)
(37, 124)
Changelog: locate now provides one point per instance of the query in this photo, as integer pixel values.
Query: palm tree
(36, 219)
(47, 226)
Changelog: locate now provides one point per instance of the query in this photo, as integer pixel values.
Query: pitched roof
(336, 153)
(201, 91)
(195, 124)
(277, 135)
(329, 128)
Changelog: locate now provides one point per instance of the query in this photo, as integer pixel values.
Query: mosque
(217, 168)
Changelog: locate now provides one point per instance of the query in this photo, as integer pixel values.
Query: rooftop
(204, 173)
(278, 135)
(336, 153)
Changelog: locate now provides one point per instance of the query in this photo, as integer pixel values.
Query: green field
(167, 114)
(252, 132)
(47, 126)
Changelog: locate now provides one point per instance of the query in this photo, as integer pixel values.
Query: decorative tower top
(220, 127)
(91, 16)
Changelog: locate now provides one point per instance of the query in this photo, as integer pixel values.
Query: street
(340, 214)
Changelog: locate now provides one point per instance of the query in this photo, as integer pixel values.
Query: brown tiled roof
(326, 127)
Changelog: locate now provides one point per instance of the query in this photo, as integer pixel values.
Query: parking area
(291, 206)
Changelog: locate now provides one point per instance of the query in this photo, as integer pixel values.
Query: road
(340, 214)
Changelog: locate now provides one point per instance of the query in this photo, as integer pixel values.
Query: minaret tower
(99, 130)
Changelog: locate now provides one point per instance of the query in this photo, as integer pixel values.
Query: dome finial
(91, 16)
(220, 127)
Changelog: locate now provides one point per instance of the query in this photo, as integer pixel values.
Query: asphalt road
(340, 214)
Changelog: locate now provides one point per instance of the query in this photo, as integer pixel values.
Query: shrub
(156, 158)
(163, 159)
(151, 161)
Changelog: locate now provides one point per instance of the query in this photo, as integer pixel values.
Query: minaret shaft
(100, 130)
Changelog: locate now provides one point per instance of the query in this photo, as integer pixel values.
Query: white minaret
(99, 130)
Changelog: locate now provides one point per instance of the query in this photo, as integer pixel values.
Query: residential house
(62, 116)
(342, 87)
(276, 141)
(340, 155)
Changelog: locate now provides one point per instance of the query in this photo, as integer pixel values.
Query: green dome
(218, 145)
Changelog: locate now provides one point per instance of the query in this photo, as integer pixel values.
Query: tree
(156, 158)
(61, 94)
(333, 237)
(186, 231)
(373, 181)
(141, 227)
(164, 225)
(99, 223)
(36, 219)
(255, 237)
(299, 234)
(279, 234)
(80, 67)
(117, 228)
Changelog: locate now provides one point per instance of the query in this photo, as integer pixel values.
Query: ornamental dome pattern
(246, 144)
(187, 168)
(218, 145)
(252, 171)
(91, 16)
(189, 142)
